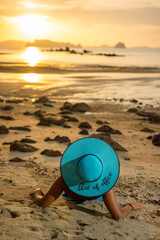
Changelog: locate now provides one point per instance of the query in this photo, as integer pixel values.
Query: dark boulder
(156, 140)
(108, 130)
(6, 117)
(150, 137)
(147, 130)
(66, 106)
(64, 112)
(83, 132)
(42, 100)
(44, 122)
(151, 116)
(27, 113)
(48, 139)
(39, 113)
(47, 105)
(48, 121)
(85, 125)
(16, 159)
(71, 119)
(134, 100)
(3, 129)
(81, 107)
(66, 126)
(14, 101)
(51, 153)
(7, 143)
(116, 146)
(7, 108)
(27, 140)
(99, 122)
(154, 118)
(21, 128)
(142, 113)
(132, 110)
(22, 147)
(62, 139)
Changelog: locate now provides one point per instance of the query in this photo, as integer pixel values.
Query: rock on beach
(7, 108)
(27, 140)
(156, 140)
(42, 99)
(78, 107)
(3, 129)
(48, 121)
(116, 146)
(62, 139)
(6, 117)
(81, 107)
(85, 125)
(51, 153)
(107, 129)
(21, 128)
(22, 147)
(84, 132)
(16, 159)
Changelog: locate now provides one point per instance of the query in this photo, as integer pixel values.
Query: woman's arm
(114, 208)
(54, 192)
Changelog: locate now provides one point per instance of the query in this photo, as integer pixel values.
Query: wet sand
(139, 178)
(62, 68)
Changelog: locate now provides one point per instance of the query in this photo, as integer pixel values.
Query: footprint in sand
(7, 213)
(6, 181)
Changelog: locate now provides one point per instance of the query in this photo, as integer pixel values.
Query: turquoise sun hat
(89, 167)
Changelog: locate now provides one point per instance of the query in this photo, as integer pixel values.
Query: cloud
(77, 19)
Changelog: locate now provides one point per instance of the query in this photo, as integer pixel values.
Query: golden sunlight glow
(28, 4)
(31, 77)
(32, 56)
(32, 25)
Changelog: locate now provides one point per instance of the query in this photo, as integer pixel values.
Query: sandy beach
(71, 70)
(21, 172)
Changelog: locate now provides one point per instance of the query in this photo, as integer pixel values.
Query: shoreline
(105, 87)
(72, 68)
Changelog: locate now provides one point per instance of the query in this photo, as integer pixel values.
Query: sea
(83, 77)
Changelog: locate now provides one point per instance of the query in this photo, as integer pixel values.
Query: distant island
(37, 43)
(120, 45)
(46, 43)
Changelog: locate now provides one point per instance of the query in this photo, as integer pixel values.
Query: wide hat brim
(75, 152)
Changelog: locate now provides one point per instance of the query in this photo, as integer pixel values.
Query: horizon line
(75, 45)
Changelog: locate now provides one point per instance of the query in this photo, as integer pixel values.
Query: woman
(89, 169)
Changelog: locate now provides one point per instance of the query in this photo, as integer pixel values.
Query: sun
(32, 56)
(32, 25)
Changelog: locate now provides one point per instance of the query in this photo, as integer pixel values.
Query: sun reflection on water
(32, 56)
(31, 77)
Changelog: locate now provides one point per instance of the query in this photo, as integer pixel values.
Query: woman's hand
(135, 205)
(37, 194)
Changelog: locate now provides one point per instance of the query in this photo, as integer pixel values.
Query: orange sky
(89, 22)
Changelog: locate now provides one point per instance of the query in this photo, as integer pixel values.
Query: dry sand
(139, 179)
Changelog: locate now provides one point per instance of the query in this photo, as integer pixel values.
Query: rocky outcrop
(85, 125)
(3, 129)
(21, 128)
(156, 140)
(42, 100)
(108, 130)
(51, 153)
(78, 107)
(116, 146)
(22, 147)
